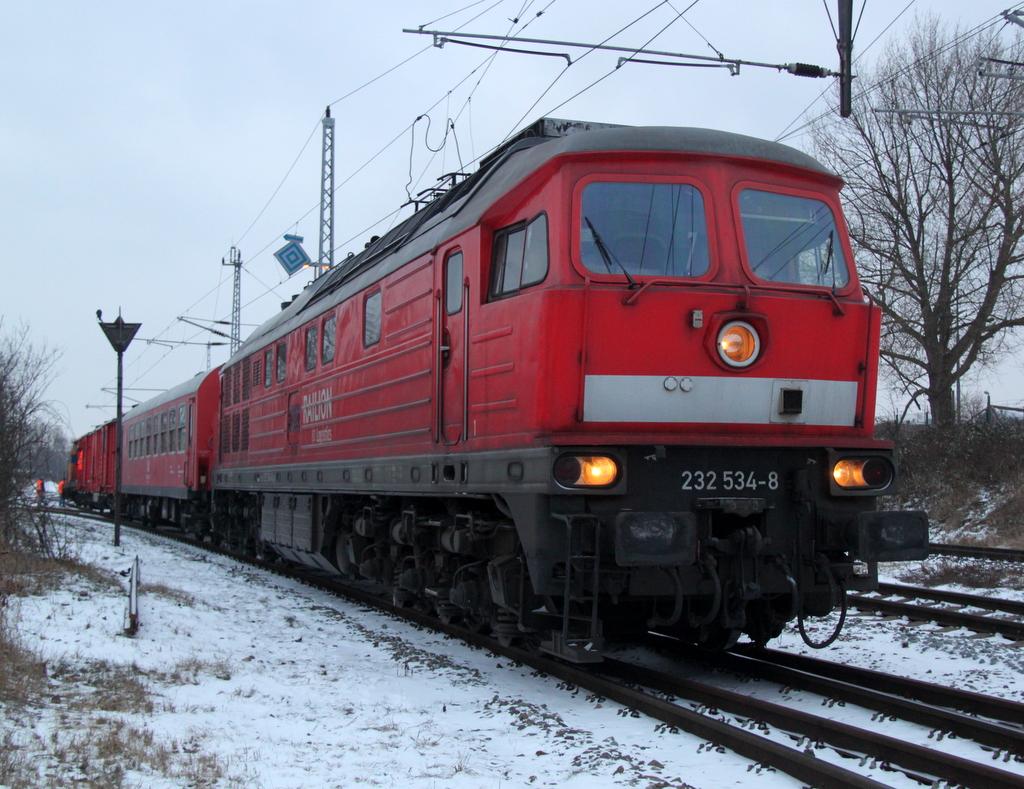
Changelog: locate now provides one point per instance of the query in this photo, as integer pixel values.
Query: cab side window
(453, 283)
(519, 257)
(329, 339)
(372, 315)
(311, 348)
(268, 368)
(282, 367)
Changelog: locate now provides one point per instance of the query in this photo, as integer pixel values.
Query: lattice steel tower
(235, 259)
(326, 259)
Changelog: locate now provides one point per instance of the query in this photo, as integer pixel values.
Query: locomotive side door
(453, 307)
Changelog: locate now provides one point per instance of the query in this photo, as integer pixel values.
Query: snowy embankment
(248, 679)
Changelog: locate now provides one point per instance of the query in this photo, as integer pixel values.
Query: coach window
(172, 429)
(520, 257)
(163, 433)
(792, 239)
(149, 435)
(329, 340)
(453, 283)
(372, 318)
(268, 371)
(282, 368)
(311, 348)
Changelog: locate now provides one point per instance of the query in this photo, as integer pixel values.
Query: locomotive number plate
(730, 480)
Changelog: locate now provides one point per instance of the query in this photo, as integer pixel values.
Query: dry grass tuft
(105, 687)
(22, 674)
(183, 599)
(17, 768)
(26, 574)
(78, 723)
(189, 671)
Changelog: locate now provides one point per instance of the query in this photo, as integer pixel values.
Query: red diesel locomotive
(617, 379)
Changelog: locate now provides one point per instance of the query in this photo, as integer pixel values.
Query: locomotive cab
(708, 392)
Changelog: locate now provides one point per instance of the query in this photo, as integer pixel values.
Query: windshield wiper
(828, 259)
(606, 256)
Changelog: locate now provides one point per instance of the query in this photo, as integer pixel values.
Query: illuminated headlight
(586, 471)
(863, 473)
(738, 344)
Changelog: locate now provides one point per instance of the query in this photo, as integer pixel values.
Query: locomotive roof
(463, 205)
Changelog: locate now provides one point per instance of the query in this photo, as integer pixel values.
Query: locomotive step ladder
(580, 640)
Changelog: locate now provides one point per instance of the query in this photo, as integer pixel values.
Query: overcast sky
(140, 141)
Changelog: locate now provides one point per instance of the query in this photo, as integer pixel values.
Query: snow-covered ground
(252, 680)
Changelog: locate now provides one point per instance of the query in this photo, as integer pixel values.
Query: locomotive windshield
(644, 228)
(792, 239)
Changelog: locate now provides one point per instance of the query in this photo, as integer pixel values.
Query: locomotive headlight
(586, 471)
(738, 344)
(862, 473)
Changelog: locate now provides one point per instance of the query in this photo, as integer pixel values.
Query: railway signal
(120, 335)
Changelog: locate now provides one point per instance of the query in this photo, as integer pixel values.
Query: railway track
(694, 707)
(977, 552)
(934, 609)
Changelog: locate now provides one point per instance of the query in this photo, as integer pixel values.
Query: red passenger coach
(618, 379)
(94, 469)
(169, 444)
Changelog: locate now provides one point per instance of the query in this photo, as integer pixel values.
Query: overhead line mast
(235, 259)
(326, 260)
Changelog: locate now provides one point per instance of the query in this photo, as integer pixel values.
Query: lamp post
(120, 335)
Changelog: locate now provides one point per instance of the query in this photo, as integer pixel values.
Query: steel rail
(973, 703)
(919, 760)
(941, 616)
(1015, 607)
(998, 735)
(977, 552)
(796, 763)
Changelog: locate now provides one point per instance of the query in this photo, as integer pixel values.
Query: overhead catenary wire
(604, 77)
(271, 289)
(488, 63)
(268, 288)
(992, 21)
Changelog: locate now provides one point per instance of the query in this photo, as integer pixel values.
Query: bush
(971, 454)
(968, 477)
(27, 429)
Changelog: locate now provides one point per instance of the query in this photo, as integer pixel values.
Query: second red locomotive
(618, 379)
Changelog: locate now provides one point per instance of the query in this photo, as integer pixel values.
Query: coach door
(454, 341)
(189, 469)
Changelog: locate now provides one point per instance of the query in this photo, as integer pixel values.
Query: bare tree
(935, 203)
(27, 424)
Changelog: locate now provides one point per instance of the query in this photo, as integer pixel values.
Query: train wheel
(764, 622)
(717, 638)
(341, 558)
(475, 622)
